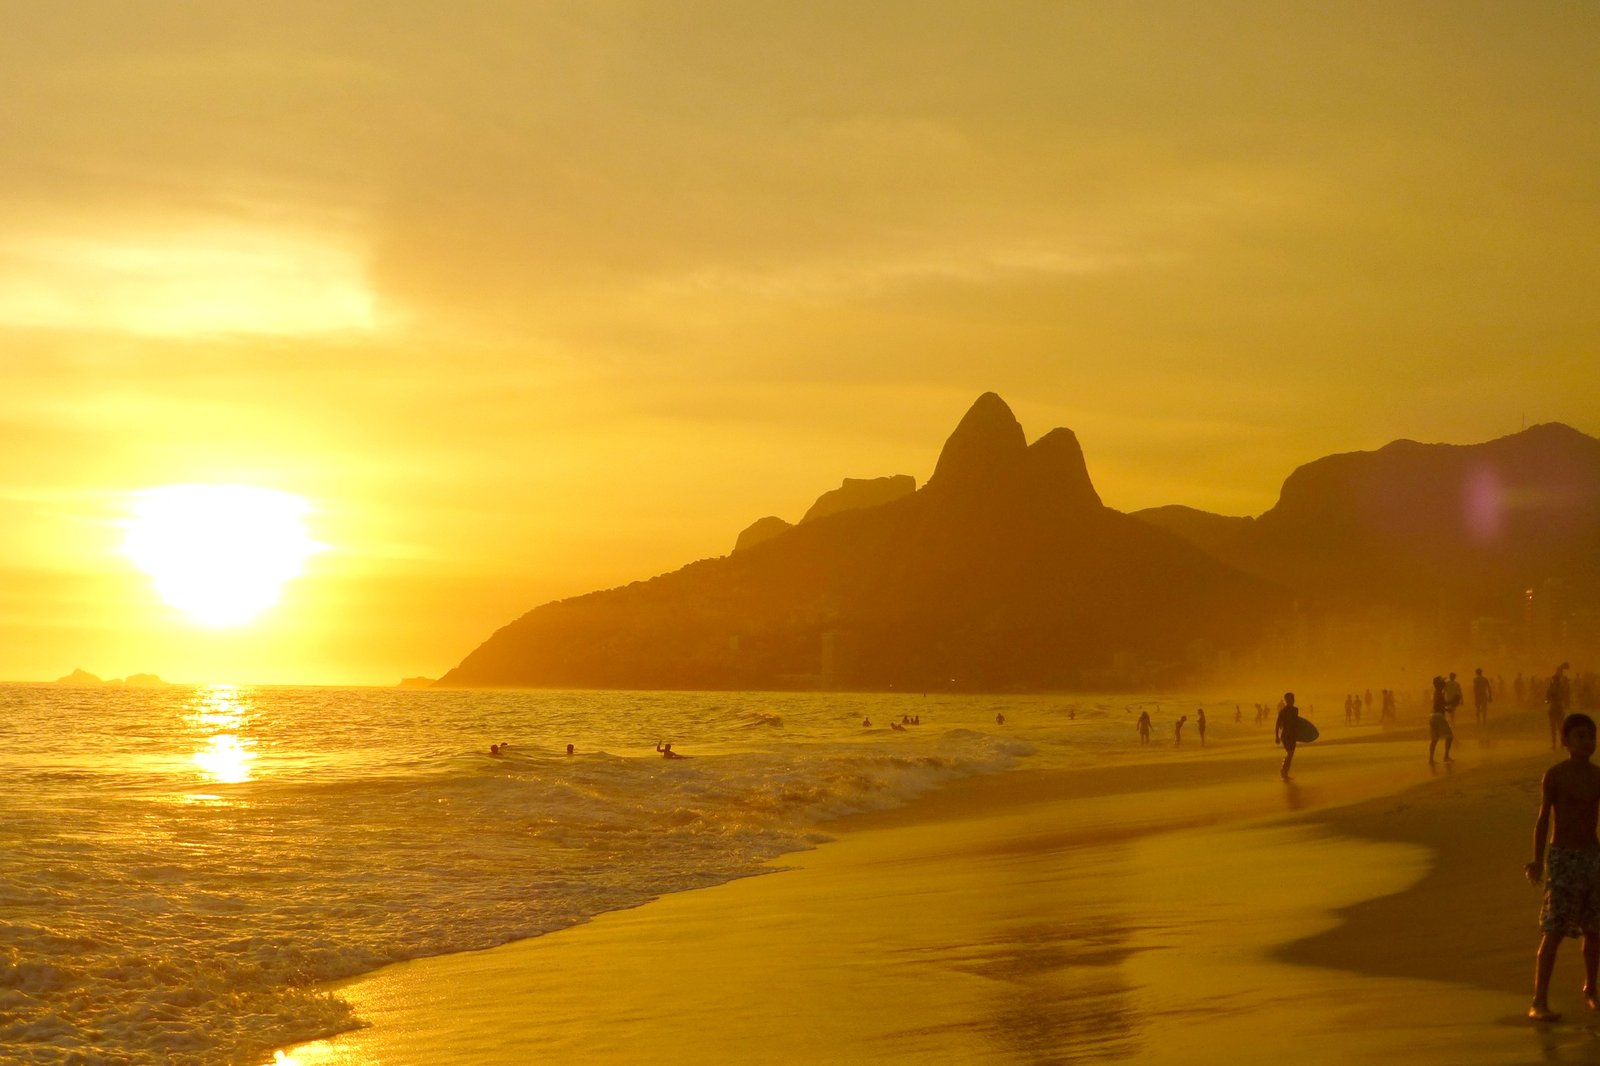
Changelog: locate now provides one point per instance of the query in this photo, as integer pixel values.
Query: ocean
(181, 867)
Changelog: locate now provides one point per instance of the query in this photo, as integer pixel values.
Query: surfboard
(1304, 731)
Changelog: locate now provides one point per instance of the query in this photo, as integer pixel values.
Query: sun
(219, 553)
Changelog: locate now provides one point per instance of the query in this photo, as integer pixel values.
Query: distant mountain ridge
(1466, 527)
(1004, 571)
(852, 495)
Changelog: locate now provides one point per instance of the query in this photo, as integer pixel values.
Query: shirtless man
(1571, 793)
(667, 752)
(1482, 695)
(1452, 696)
(1439, 722)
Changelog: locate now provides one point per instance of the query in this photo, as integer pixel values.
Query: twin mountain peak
(1006, 571)
(987, 454)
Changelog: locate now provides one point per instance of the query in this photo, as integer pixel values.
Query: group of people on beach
(1566, 837)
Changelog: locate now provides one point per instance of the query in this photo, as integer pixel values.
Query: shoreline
(1119, 904)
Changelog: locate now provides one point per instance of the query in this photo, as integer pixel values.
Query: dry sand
(1167, 910)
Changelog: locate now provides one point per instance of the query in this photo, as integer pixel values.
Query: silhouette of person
(667, 752)
(1177, 731)
(1283, 732)
(1200, 724)
(1452, 695)
(1439, 721)
(1569, 796)
(1482, 694)
(1000, 719)
(1143, 726)
(569, 749)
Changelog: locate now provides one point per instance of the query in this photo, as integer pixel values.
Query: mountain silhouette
(1463, 528)
(1004, 571)
(852, 495)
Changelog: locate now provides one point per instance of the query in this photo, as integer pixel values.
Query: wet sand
(1176, 910)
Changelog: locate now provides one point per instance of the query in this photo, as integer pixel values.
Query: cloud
(178, 283)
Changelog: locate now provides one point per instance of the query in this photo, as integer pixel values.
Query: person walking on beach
(1481, 695)
(1439, 722)
(1570, 792)
(1285, 732)
(1200, 724)
(1452, 695)
(1557, 695)
(1143, 726)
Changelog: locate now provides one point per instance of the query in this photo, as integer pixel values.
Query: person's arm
(1541, 828)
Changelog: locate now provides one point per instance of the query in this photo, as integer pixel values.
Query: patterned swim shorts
(1571, 891)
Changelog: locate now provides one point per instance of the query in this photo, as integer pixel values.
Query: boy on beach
(1571, 793)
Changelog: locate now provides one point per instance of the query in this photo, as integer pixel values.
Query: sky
(522, 300)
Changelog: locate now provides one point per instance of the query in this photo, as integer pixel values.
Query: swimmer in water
(667, 752)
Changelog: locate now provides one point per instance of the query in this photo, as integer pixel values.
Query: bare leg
(1447, 742)
(1544, 966)
(1288, 757)
(1432, 744)
(1591, 962)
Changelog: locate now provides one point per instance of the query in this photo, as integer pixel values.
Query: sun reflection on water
(224, 713)
(226, 760)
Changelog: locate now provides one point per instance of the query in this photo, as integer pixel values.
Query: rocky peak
(1057, 468)
(987, 447)
(857, 493)
(760, 531)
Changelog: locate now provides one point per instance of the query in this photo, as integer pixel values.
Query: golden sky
(528, 299)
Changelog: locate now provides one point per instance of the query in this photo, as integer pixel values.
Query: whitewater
(180, 867)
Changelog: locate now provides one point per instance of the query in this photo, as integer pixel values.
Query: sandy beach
(1178, 907)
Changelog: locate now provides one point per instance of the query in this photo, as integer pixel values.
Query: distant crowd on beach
(1559, 692)
(1566, 858)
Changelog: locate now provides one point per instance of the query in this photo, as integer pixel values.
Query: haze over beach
(416, 420)
(528, 303)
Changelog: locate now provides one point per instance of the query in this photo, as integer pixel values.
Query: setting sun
(219, 553)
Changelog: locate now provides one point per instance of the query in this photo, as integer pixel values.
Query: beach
(1186, 908)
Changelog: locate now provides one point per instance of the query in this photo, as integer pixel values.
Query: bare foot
(1540, 1013)
(1591, 999)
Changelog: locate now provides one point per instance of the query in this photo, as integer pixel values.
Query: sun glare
(219, 553)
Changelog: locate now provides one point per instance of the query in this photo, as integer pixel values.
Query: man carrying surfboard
(1287, 731)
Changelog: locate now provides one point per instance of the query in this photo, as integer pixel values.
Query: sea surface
(181, 866)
